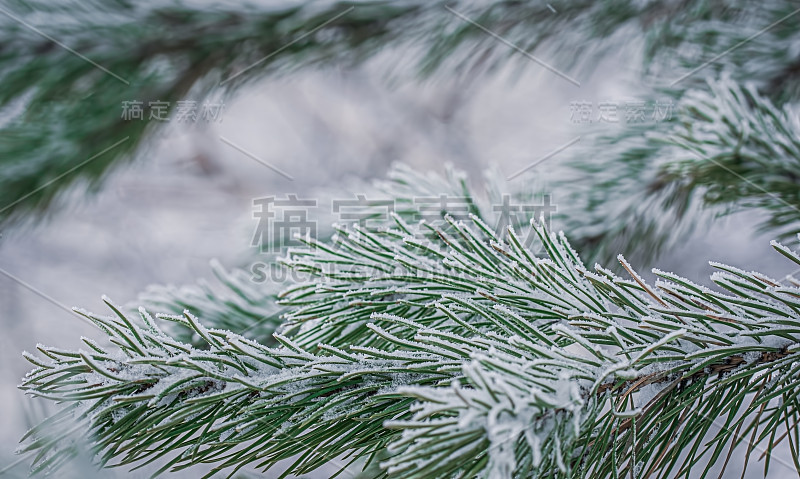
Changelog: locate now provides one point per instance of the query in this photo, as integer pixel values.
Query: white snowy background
(188, 199)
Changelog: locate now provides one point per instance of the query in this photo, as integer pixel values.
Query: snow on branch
(505, 363)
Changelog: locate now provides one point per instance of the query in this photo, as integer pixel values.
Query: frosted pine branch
(466, 346)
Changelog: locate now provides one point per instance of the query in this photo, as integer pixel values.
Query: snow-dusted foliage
(443, 351)
(725, 148)
(233, 302)
(239, 301)
(736, 147)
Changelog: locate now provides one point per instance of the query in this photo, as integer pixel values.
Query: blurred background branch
(88, 58)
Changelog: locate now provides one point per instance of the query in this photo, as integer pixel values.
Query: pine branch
(451, 342)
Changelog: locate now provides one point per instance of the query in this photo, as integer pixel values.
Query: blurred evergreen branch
(732, 70)
(728, 148)
(156, 51)
(148, 51)
(739, 149)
